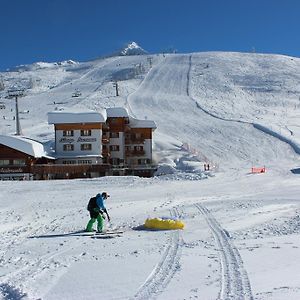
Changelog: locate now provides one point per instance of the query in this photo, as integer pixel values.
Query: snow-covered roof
(25, 145)
(72, 116)
(135, 123)
(117, 112)
(121, 112)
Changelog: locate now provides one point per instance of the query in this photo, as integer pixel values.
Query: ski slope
(241, 241)
(169, 88)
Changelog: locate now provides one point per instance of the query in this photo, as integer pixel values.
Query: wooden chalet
(87, 144)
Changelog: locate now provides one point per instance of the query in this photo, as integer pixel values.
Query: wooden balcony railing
(71, 169)
(105, 152)
(134, 140)
(135, 152)
(105, 140)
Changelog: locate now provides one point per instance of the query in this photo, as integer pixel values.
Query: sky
(57, 30)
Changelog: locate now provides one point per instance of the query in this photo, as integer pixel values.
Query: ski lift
(77, 93)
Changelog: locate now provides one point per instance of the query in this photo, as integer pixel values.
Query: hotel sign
(66, 140)
(79, 140)
(9, 170)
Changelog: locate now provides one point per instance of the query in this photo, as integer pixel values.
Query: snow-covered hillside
(198, 99)
(233, 110)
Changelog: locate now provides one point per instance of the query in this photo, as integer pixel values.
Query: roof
(117, 112)
(120, 112)
(135, 123)
(25, 145)
(72, 116)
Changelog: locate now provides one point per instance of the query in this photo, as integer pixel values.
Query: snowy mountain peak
(132, 48)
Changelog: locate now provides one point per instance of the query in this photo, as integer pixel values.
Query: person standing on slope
(97, 208)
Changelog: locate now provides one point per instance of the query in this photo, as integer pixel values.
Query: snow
(120, 112)
(75, 116)
(117, 112)
(241, 241)
(135, 123)
(24, 145)
(132, 48)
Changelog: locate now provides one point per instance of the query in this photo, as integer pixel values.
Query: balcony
(134, 140)
(134, 152)
(105, 152)
(105, 140)
(105, 127)
(127, 128)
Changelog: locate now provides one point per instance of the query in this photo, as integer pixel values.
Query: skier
(97, 208)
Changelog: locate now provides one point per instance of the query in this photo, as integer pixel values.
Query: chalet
(78, 136)
(87, 144)
(110, 142)
(129, 144)
(18, 156)
(78, 144)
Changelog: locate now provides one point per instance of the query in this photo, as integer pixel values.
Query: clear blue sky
(56, 30)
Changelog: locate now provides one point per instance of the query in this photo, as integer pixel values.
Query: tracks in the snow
(235, 282)
(165, 269)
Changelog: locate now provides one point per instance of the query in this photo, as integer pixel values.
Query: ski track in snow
(28, 268)
(257, 126)
(235, 283)
(165, 269)
(128, 97)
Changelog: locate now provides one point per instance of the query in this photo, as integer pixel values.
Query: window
(85, 162)
(138, 148)
(85, 147)
(19, 162)
(114, 148)
(4, 162)
(144, 161)
(69, 162)
(68, 147)
(114, 134)
(115, 161)
(86, 132)
(68, 133)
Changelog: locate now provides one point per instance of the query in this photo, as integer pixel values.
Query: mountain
(231, 109)
(131, 48)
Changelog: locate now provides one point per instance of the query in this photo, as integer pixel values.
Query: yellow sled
(164, 224)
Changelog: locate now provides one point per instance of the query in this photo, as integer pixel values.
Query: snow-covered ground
(241, 239)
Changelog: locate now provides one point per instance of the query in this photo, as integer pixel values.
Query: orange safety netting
(258, 170)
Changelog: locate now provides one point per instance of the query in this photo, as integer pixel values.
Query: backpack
(92, 203)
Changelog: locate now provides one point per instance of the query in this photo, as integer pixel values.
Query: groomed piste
(163, 224)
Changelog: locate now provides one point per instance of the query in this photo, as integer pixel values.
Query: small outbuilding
(18, 156)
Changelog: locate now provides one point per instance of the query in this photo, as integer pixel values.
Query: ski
(99, 234)
(109, 232)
